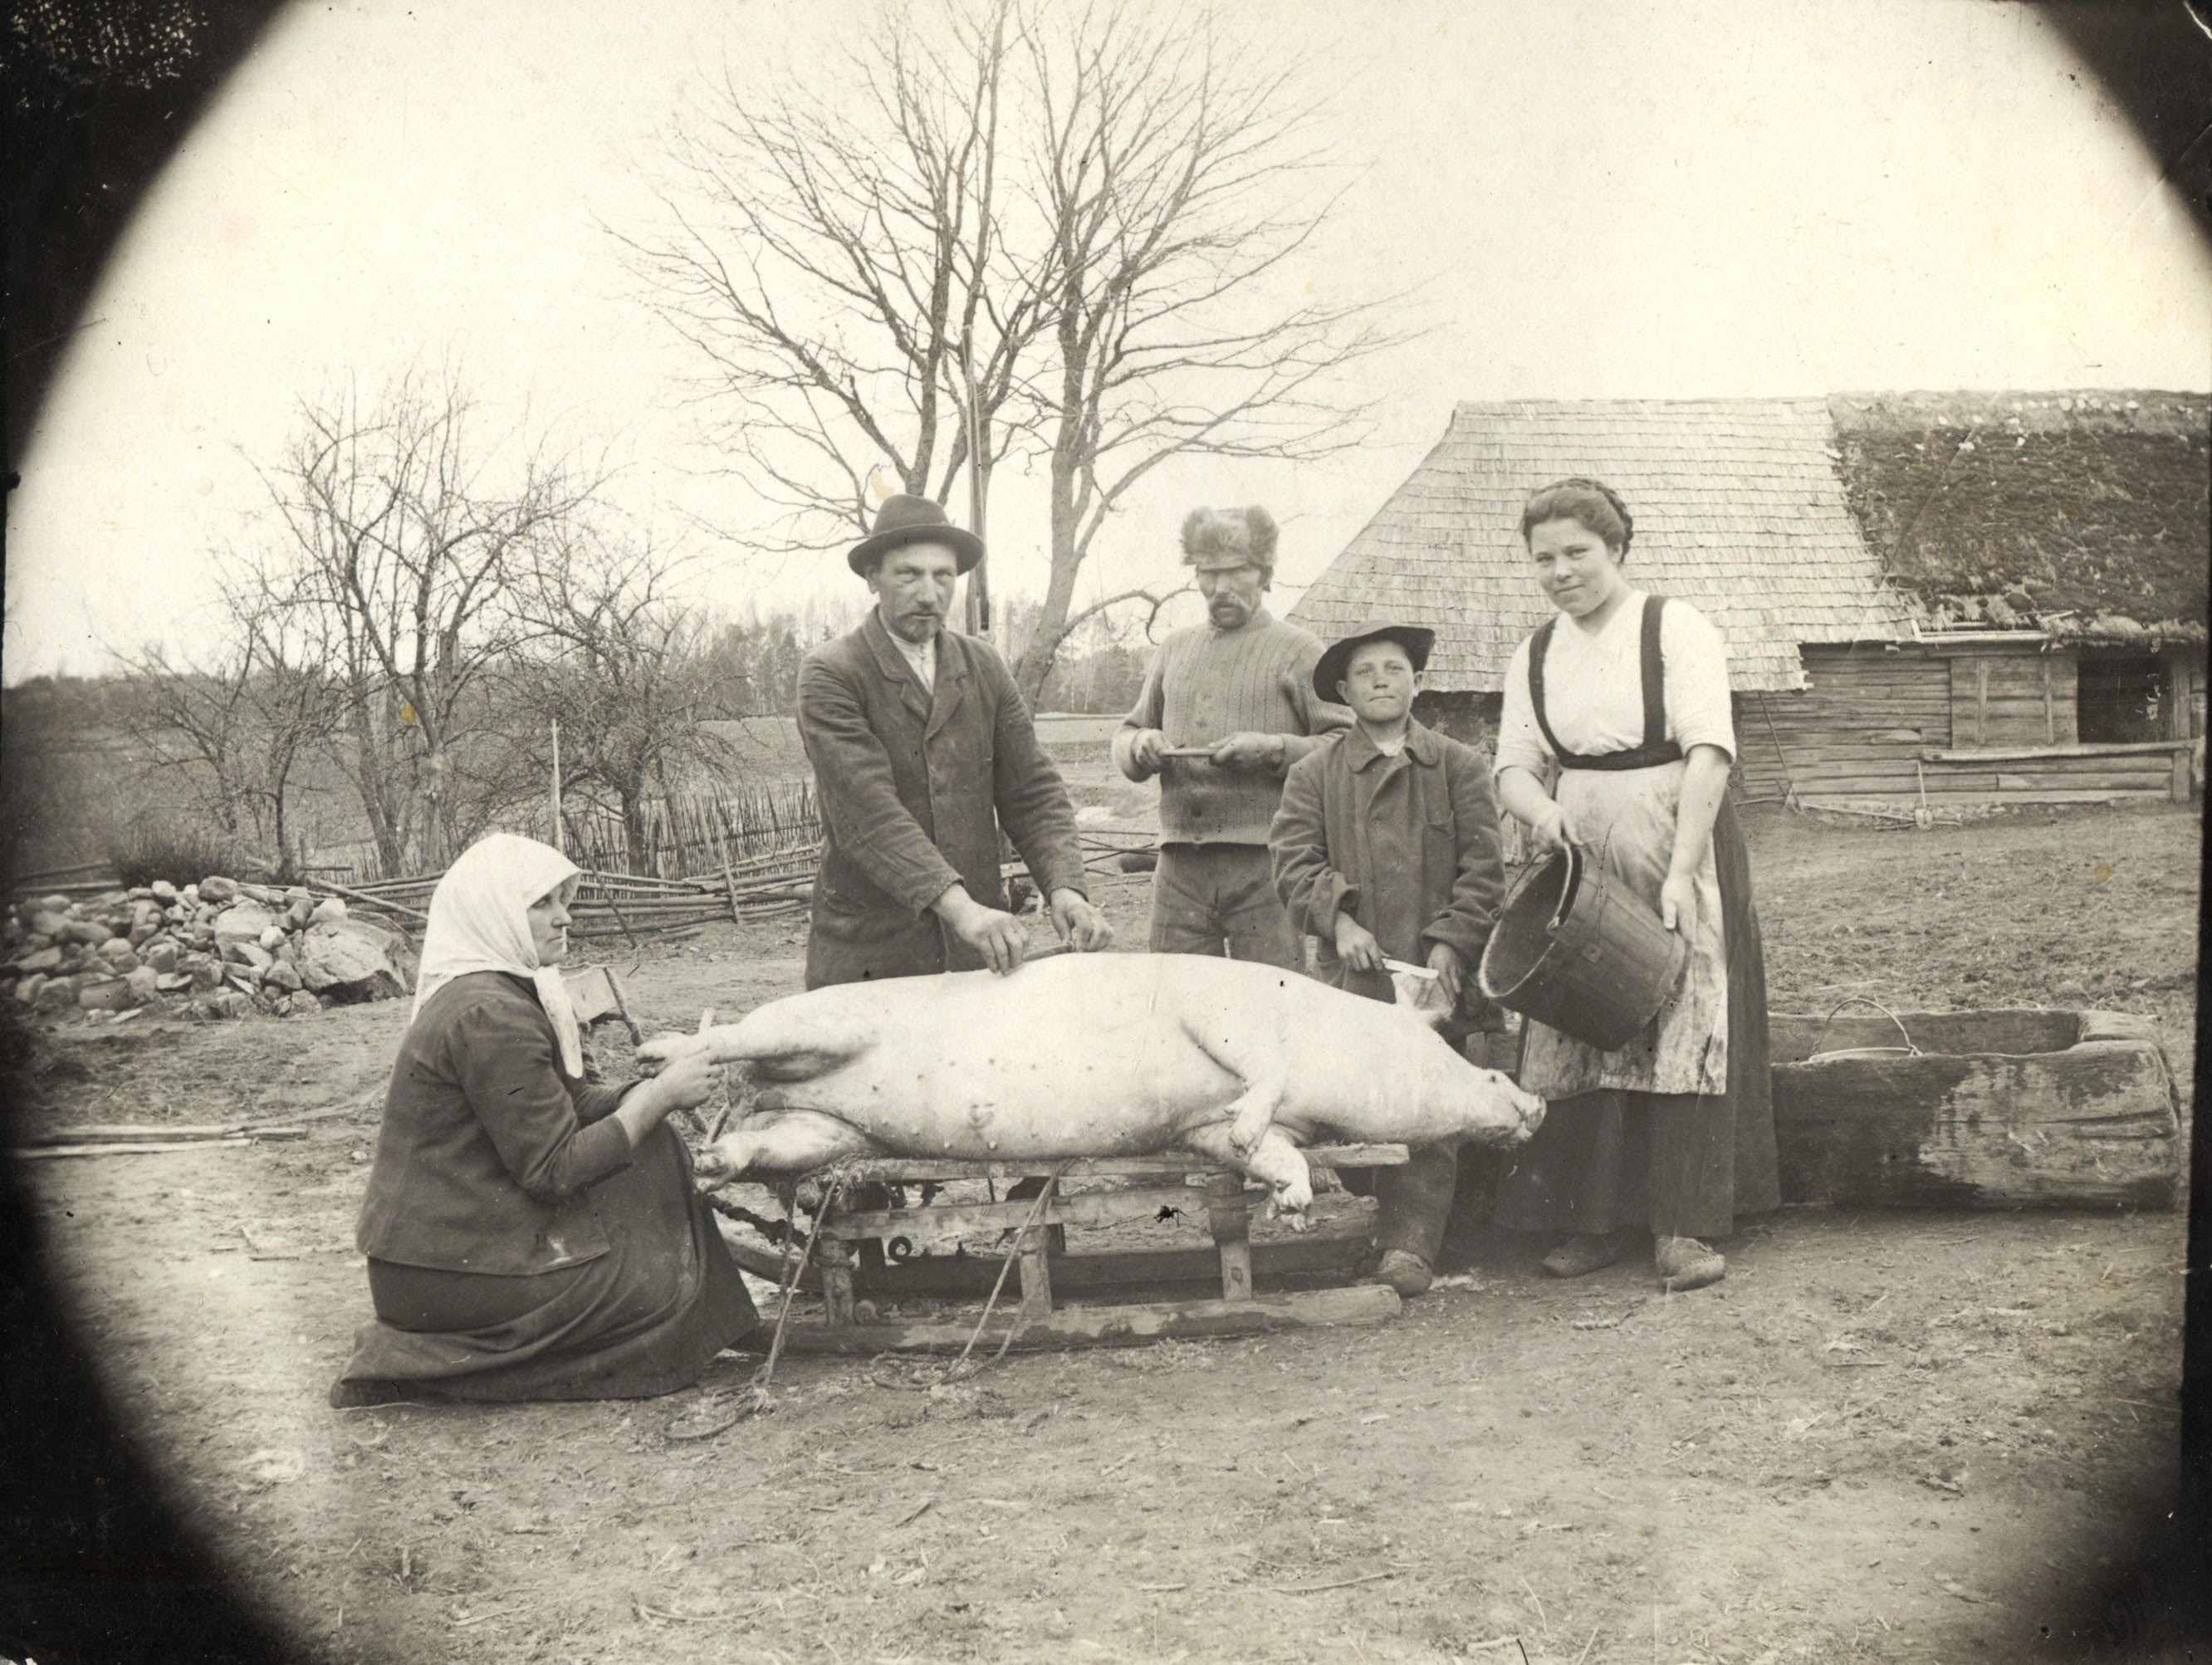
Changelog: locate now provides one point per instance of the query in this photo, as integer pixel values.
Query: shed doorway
(2122, 699)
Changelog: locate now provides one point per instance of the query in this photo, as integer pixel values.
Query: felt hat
(904, 520)
(1329, 670)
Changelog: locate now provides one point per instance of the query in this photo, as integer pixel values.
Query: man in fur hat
(1237, 691)
(922, 750)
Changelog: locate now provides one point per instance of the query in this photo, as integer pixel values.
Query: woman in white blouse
(1623, 699)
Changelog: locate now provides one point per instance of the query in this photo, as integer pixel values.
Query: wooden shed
(1976, 597)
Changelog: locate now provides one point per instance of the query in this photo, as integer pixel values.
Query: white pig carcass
(1095, 1055)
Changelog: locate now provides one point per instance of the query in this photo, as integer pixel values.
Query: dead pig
(1095, 1055)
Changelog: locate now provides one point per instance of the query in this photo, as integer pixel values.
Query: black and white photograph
(865, 832)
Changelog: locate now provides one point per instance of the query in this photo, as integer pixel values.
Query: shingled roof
(2085, 514)
(1739, 511)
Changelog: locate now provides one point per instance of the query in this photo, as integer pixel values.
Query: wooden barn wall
(2053, 780)
(2013, 694)
(1856, 732)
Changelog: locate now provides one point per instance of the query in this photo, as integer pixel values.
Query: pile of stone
(218, 949)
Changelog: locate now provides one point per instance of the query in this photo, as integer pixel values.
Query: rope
(1035, 1213)
(775, 1231)
(767, 1371)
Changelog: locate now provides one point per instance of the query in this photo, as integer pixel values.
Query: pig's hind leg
(1261, 1063)
(788, 1142)
(1274, 1161)
(787, 1041)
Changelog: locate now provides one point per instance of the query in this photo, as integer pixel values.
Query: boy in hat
(1386, 848)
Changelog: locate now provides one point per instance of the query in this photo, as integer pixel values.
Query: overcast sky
(1643, 197)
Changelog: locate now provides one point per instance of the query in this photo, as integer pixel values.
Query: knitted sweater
(1205, 684)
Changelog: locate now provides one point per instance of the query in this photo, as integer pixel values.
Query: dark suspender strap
(1539, 645)
(1655, 676)
(1652, 665)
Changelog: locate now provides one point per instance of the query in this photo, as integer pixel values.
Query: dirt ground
(1884, 1438)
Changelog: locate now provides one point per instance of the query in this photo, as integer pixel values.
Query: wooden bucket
(1577, 949)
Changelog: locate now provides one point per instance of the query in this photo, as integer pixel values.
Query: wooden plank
(1228, 1217)
(1309, 1255)
(894, 1170)
(1086, 1208)
(591, 993)
(135, 1134)
(2092, 1126)
(39, 1153)
(2092, 749)
(1114, 1326)
(1981, 700)
(2092, 796)
(1035, 1268)
(835, 1262)
(1793, 1036)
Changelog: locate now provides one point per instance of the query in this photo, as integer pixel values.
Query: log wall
(2013, 694)
(1966, 722)
(1856, 732)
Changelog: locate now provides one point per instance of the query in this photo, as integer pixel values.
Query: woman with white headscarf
(529, 1236)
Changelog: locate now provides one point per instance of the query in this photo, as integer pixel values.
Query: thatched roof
(2082, 513)
(1738, 511)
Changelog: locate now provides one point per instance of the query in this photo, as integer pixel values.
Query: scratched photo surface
(622, 322)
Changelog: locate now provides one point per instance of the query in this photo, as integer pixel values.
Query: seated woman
(529, 1237)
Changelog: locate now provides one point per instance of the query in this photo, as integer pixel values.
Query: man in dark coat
(922, 749)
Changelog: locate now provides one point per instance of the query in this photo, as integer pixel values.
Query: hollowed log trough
(1998, 1109)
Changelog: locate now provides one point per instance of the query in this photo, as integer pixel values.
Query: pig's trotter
(794, 1142)
(1274, 1161)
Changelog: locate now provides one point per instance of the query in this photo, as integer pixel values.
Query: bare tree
(241, 722)
(624, 669)
(1074, 239)
(838, 261)
(401, 553)
(1178, 175)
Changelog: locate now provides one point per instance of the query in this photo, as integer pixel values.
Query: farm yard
(1888, 1436)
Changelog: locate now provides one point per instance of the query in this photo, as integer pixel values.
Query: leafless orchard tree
(624, 669)
(241, 721)
(1073, 236)
(401, 550)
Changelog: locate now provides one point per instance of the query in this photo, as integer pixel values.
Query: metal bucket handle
(1910, 1049)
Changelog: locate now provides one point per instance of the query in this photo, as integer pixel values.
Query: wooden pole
(979, 582)
(373, 902)
(729, 878)
(557, 843)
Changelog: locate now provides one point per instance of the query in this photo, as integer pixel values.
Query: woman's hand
(1678, 903)
(1548, 822)
(687, 1079)
(1356, 945)
(657, 1054)
(690, 1080)
(1524, 797)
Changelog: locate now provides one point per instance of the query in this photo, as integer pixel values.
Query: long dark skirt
(644, 1318)
(1683, 1164)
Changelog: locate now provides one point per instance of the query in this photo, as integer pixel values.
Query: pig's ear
(1422, 998)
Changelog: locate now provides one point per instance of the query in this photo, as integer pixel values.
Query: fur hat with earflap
(1213, 534)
